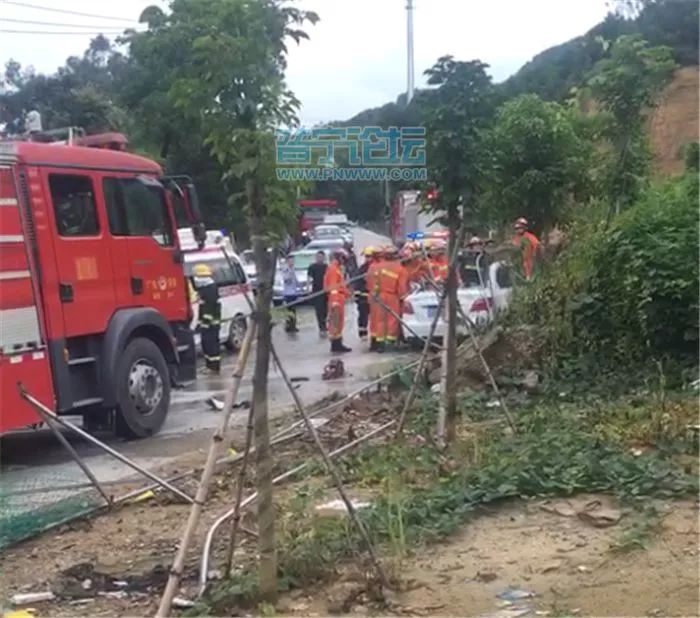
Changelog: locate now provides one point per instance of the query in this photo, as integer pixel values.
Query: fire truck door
(83, 260)
(141, 221)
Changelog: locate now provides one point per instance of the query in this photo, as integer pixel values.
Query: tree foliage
(554, 72)
(82, 93)
(627, 293)
(457, 116)
(625, 84)
(539, 161)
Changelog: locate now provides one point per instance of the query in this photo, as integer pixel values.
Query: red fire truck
(94, 311)
(314, 211)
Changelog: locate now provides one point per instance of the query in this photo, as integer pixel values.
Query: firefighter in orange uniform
(376, 337)
(337, 290)
(410, 261)
(389, 285)
(529, 246)
(437, 260)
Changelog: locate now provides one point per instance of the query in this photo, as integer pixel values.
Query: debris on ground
(563, 508)
(334, 370)
(337, 508)
(514, 594)
(215, 404)
(27, 598)
(595, 513)
(598, 515)
(182, 603)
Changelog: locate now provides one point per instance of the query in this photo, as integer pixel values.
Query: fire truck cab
(94, 309)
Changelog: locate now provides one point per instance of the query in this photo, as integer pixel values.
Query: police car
(230, 277)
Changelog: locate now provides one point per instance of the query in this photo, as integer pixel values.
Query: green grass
(423, 495)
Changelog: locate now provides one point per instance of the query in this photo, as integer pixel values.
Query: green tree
(457, 115)
(227, 60)
(81, 93)
(539, 161)
(626, 84)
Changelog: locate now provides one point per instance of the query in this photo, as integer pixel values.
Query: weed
(639, 528)
(560, 449)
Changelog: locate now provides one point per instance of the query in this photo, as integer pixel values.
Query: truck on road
(407, 217)
(94, 309)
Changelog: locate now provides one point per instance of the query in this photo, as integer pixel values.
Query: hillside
(552, 73)
(674, 123)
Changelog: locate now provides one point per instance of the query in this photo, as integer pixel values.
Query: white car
(233, 283)
(251, 270)
(480, 302)
(327, 232)
(303, 258)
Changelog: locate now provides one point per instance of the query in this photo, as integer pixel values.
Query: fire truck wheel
(143, 389)
(236, 334)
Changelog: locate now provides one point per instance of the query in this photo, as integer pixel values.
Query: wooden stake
(330, 466)
(487, 369)
(419, 371)
(207, 472)
(235, 521)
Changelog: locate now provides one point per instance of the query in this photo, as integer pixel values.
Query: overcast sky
(356, 57)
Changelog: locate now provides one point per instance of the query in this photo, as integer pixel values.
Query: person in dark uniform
(361, 294)
(209, 317)
(316, 273)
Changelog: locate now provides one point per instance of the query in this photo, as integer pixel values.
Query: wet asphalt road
(35, 460)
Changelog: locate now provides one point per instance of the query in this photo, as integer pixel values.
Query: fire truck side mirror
(199, 230)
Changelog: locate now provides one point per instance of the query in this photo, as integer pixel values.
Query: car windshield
(328, 231)
(225, 273)
(302, 261)
(325, 245)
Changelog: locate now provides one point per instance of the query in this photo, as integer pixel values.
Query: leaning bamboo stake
(487, 368)
(424, 355)
(330, 466)
(207, 473)
(421, 364)
(235, 522)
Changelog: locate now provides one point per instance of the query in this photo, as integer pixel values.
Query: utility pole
(409, 52)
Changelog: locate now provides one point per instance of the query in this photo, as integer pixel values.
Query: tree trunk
(263, 456)
(449, 390)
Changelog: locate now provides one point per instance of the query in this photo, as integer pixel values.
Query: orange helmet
(407, 252)
(390, 251)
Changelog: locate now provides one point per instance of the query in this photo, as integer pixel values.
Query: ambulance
(230, 276)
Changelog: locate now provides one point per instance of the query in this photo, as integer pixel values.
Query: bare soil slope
(674, 123)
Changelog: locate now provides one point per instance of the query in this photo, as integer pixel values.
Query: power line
(110, 32)
(65, 11)
(54, 23)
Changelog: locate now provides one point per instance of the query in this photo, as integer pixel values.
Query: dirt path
(566, 563)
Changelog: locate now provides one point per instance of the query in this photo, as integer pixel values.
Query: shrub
(629, 292)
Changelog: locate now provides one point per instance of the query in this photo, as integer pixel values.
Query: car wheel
(143, 389)
(236, 333)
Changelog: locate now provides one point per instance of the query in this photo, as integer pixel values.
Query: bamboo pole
(487, 369)
(206, 549)
(105, 447)
(48, 419)
(239, 491)
(424, 355)
(207, 473)
(330, 466)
